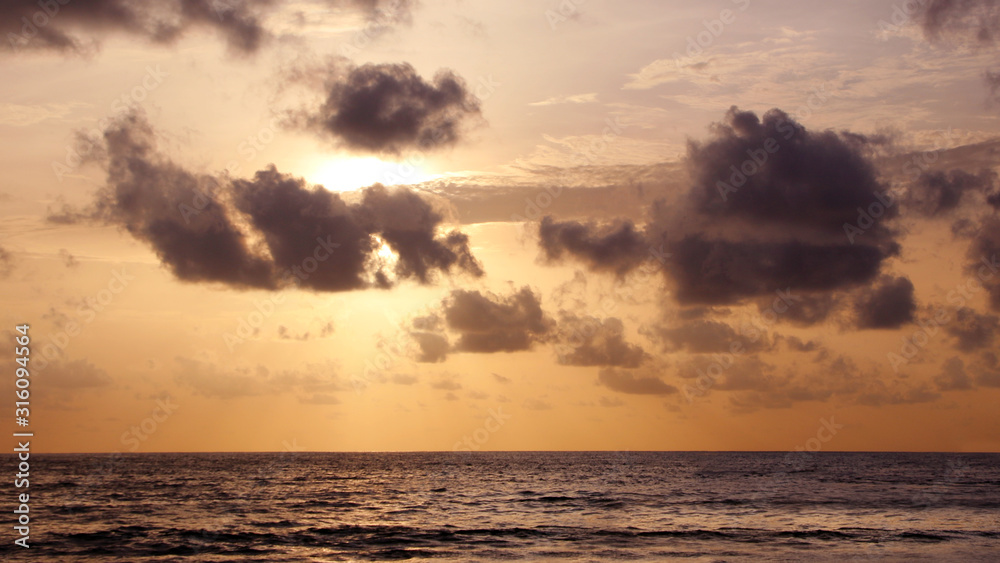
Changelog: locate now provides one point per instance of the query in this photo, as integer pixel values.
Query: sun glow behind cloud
(385, 258)
(346, 174)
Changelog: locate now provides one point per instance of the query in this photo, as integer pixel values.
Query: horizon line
(464, 452)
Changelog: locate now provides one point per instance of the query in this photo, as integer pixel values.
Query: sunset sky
(678, 225)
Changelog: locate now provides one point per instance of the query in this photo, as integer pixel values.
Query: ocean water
(593, 506)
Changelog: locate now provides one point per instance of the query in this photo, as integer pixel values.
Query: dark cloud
(749, 374)
(387, 108)
(788, 196)
(890, 304)
(993, 199)
(808, 308)
(307, 235)
(144, 195)
(937, 192)
(380, 10)
(428, 322)
(617, 247)
(691, 313)
(975, 21)
(628, 382)
(433, 346)
(494, 323)
(988, 370)
(992, 80)
(963, 227)
(746, 373)
(903, 396)
(409, 225)
(772, 207)
(773, 171)
(972, 330)
(953, 376)
(799, 345)
(984, 259)
(295, 219)
(720, 271)
(481, 322)
(989, 378)
(78, 26)
(589, 341)
(705, 337)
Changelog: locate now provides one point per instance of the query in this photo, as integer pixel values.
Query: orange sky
(597, 114)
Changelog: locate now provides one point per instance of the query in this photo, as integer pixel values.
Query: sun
(346, 174)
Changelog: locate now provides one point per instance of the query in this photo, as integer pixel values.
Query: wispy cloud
(570, 99)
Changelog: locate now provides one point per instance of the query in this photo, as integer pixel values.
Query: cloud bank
(77, 26)
(272, 230)
(771, 207)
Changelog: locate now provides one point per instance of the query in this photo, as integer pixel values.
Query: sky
(435, 225)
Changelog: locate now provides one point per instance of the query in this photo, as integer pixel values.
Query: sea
(506, 506)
